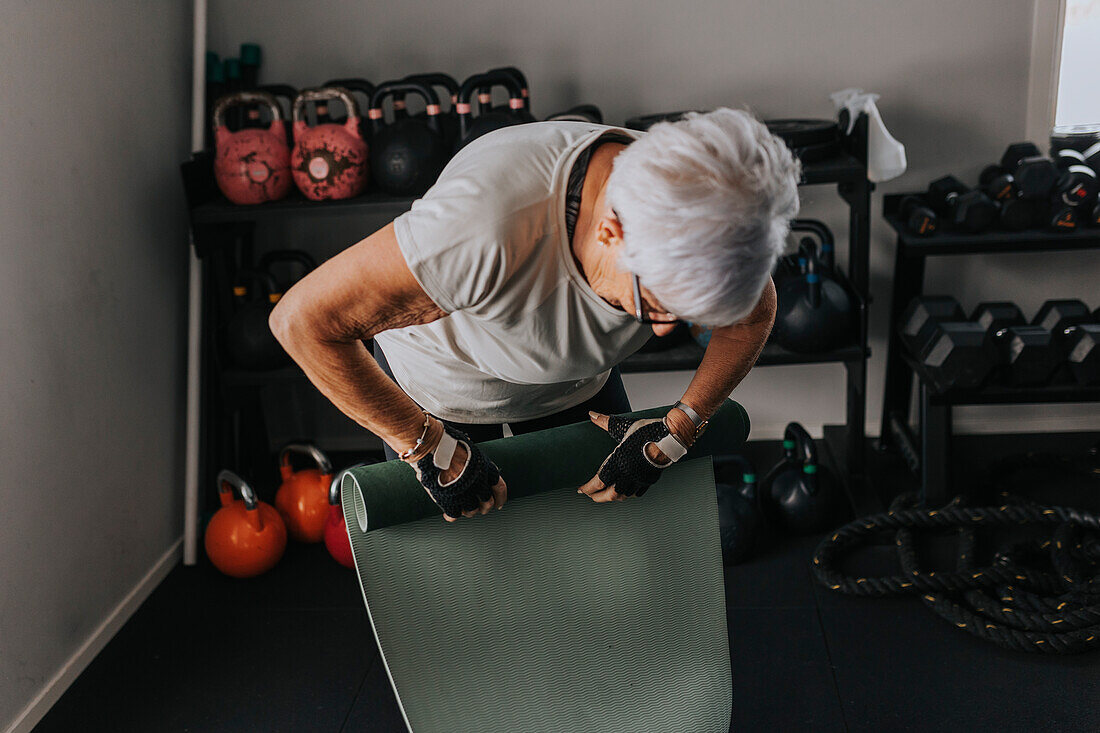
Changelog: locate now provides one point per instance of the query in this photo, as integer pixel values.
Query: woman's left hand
(635, 464)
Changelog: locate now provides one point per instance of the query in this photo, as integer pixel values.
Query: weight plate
(815, 153)
(1075, 137)
(644, 122)
(804, 133)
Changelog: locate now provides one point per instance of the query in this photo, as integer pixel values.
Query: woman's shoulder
(510, 170)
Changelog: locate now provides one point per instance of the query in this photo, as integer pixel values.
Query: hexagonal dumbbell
(918, 218)
(1034, 173)
(1027, 355)
(967, 209)
(1015, 213)
(921, 316)
(1056, 215)
(953, 353)
(1084, 354)
(1076, 334)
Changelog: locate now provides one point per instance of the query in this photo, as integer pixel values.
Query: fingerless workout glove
(628, 467)
(472, 487)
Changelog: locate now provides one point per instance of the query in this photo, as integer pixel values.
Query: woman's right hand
(469, 484)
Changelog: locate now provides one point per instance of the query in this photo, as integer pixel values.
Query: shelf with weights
(223, 234)
(215, 209)
(927, 450)
(950, 242)
(688, 355)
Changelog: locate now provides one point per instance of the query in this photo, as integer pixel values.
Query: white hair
(705, 204)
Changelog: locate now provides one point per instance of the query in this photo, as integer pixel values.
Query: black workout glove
(628, 467)
(472, 487)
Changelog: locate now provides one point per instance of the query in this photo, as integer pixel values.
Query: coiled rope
(1038, 596)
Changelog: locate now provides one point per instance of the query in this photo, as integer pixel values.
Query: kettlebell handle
(281, 91)
(521, 79)
(824, 236)
(362, 86)
(813, 282)
(243, 98)
(334, 487)
(438, 79)
(808, 451)
(803, 443)
(353, 84)
(321, 95)
(487, 80)
(405, 86)
(748, 473)
(287, 255)
(227, 482)
(306, 449)
(267, 282)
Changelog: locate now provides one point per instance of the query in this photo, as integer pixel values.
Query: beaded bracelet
(419, 441)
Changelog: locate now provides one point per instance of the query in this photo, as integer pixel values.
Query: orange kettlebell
(302, 499)
(329, 160)
(336, 529)
(251, 165)
(246, 537)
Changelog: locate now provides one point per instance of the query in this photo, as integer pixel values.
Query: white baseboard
(55, 688)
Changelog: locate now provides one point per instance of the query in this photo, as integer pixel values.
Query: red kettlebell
(246, 537)
(336, 529)
(302, 498)
(251, 165)
(329, 160)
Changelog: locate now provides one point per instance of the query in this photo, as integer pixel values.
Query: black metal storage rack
(223, 236)
(929, 452)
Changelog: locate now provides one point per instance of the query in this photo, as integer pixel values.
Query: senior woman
(546, 254)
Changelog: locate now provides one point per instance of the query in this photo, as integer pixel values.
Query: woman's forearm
(324, 320)
(730, 355)
(347, 374)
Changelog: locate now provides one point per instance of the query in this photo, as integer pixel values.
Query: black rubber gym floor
(293, 650)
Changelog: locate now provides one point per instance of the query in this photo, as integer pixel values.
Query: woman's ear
(610, 230)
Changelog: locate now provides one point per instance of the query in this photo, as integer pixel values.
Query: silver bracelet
(419, 441)
(697, 420)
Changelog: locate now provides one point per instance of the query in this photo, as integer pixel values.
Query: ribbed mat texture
(556, 614)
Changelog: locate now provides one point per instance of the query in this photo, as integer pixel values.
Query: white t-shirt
(525, 336)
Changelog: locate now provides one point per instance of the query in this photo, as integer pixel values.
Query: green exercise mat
(555, 614)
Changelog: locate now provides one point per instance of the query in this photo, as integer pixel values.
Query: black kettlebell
(248, 338)
(303, 265)
(524, 92)
(448, 119)
(816, 312)
(738, 516)
(470, 128)
(365, 89)
(406, 155)
(799, 495)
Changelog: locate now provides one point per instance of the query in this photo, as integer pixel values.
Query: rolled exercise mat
(555, 614)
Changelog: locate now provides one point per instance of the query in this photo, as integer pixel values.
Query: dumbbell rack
(232, 431)
(929, 452)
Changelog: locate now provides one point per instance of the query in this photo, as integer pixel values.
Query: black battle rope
(1014, 602)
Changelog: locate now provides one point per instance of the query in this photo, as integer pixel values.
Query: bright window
(1079, 75)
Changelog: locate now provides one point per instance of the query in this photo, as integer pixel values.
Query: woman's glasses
(648, 317)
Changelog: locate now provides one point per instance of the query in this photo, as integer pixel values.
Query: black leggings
(610, 400)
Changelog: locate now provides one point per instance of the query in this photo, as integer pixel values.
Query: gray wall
(93, 237)
(953, 79)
